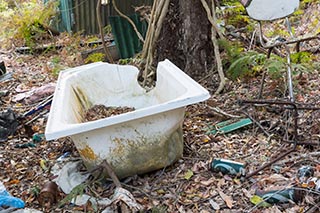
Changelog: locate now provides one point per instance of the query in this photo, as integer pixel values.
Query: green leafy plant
(234, 14)
(94, 57)
(25, 23)
(107, 29)
(247, 65)
(125, 61)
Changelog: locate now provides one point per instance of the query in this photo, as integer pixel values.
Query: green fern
(78, 190)
(247, 65)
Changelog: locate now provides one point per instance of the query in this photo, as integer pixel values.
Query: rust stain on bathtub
(87, 153)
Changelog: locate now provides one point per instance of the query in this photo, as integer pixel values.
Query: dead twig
(128, 19)
(299, 157)
(108, 54)
(220, 111)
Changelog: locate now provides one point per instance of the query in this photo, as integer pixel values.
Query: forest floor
(188, 185)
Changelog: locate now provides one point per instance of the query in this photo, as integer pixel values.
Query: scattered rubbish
(313, 183)
(6, 200)
(8, 124)
(36, 138)
(229, 126)
(63, 157)
(227, 167)
(151, 135)
(69, 176)
(281, 196)
(4, 93)
(25, 145)
(6, 76)
(48, 194)
(276, 168)
(82, 199)
(35, 94)
(304, 173)
(71, 181)
(40, 106)
(122, 195)
(3, 68)
(122, 199)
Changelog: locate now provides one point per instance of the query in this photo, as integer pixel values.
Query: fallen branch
(127, 201)
(299, 157)
(219, 111)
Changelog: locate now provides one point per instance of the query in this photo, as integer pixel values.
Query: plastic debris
(3, 68)
(4, 93)
(36, 138)
(229, 126)
(40, 106)
(8, 124)
(3, 72)
(6, 200)
(68, 176)
(25, 145)
(63, 157)
(35, 94)
(281, 196)
(304, 173)
(6, 76)
(123, 195)
(227, 167)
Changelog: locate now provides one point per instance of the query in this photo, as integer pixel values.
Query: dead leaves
(227, 199)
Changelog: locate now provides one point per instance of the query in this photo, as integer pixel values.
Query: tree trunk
(185, 38)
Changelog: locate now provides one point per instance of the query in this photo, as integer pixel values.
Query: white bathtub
(136, 142)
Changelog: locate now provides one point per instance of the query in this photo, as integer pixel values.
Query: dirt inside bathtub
(100, 111)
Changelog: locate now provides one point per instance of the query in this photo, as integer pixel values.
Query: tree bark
(185, 38)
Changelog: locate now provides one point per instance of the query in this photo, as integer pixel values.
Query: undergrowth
(23, 23)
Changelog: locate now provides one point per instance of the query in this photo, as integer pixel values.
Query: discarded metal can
(304, 173)
(281, 196)
(227, 167)
(48, 194)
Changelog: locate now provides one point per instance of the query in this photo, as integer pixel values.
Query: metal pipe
(289, 74)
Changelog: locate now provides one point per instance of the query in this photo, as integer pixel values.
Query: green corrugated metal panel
(126, 39)
(66, 14)
(63, 21)
(85, 13)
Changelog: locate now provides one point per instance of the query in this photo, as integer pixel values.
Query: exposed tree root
(214, 32)
(158, 13)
